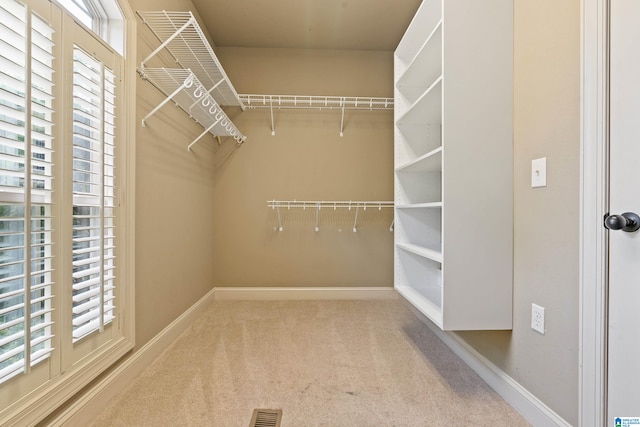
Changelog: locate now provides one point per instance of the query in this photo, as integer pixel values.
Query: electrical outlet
(537, 318)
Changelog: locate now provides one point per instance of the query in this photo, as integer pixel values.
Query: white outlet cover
(539, 172)
(537, 318)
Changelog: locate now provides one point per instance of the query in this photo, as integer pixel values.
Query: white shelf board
(425, 20)
(431, 254)
(427, 109)
(430, 162)
(422, 303)
(425, 68)
(431, 205)
(183, 38)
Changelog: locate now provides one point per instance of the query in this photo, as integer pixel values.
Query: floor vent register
(266, 418)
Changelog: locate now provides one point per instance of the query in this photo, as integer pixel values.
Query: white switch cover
(539, 172)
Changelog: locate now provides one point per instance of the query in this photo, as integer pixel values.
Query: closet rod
(328, 204)
(349, 204)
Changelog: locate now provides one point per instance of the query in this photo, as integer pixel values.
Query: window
(80, 10)
(103, 17)
(65, 266)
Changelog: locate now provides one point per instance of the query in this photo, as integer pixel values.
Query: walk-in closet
(289, 213)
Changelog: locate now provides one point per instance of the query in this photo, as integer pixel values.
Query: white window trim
(50, 396)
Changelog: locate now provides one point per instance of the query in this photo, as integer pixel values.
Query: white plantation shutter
(93, 195)
(26, 96)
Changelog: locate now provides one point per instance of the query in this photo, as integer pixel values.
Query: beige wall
(174, 201)
(306, 160)
(546, 124)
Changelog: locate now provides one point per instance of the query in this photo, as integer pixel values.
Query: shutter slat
(15, 112)
(11, 338)
(85, 284)
(11, 371)
(12, 127)
(89, 317)
(90, 294)
(82, 262)
(12, 308)
(85, 273)
(40, 355)
(11, 353)
(92, 303)
(39, 93)
(11, 323)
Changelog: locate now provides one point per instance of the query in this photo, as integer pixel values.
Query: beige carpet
(325, 363)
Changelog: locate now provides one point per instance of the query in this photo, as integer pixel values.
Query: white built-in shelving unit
(453, 163)
(200, 86)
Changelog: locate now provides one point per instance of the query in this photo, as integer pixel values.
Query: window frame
(45, 397)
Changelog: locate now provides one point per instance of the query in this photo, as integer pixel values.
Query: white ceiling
(311, 24)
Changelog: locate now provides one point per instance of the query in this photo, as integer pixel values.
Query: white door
(624, 196)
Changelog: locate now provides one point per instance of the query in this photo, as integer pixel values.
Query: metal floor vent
(266, 418)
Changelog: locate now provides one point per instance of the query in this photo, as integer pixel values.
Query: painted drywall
(306, 160)
(174, 200)
(546, 124)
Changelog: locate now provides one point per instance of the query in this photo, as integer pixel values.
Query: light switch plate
(539, 172)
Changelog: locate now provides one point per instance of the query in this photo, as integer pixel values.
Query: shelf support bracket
(166, 42)
(277, 207)
(273, 128)
(280, 228)
(203, 134)
(317, 217)
(342, 121)
(391, 226)
(355, 222)
(185, 84)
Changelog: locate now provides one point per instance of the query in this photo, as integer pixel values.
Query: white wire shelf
(316, 102)
(318, 205)
(183, 38)
(187, 92)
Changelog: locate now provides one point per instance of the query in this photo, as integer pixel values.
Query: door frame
(594, 132)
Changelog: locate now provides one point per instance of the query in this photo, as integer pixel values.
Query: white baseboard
(84, 410)
(315, 293)
(522, 400)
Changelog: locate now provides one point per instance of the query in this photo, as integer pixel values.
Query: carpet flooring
(324, 363)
